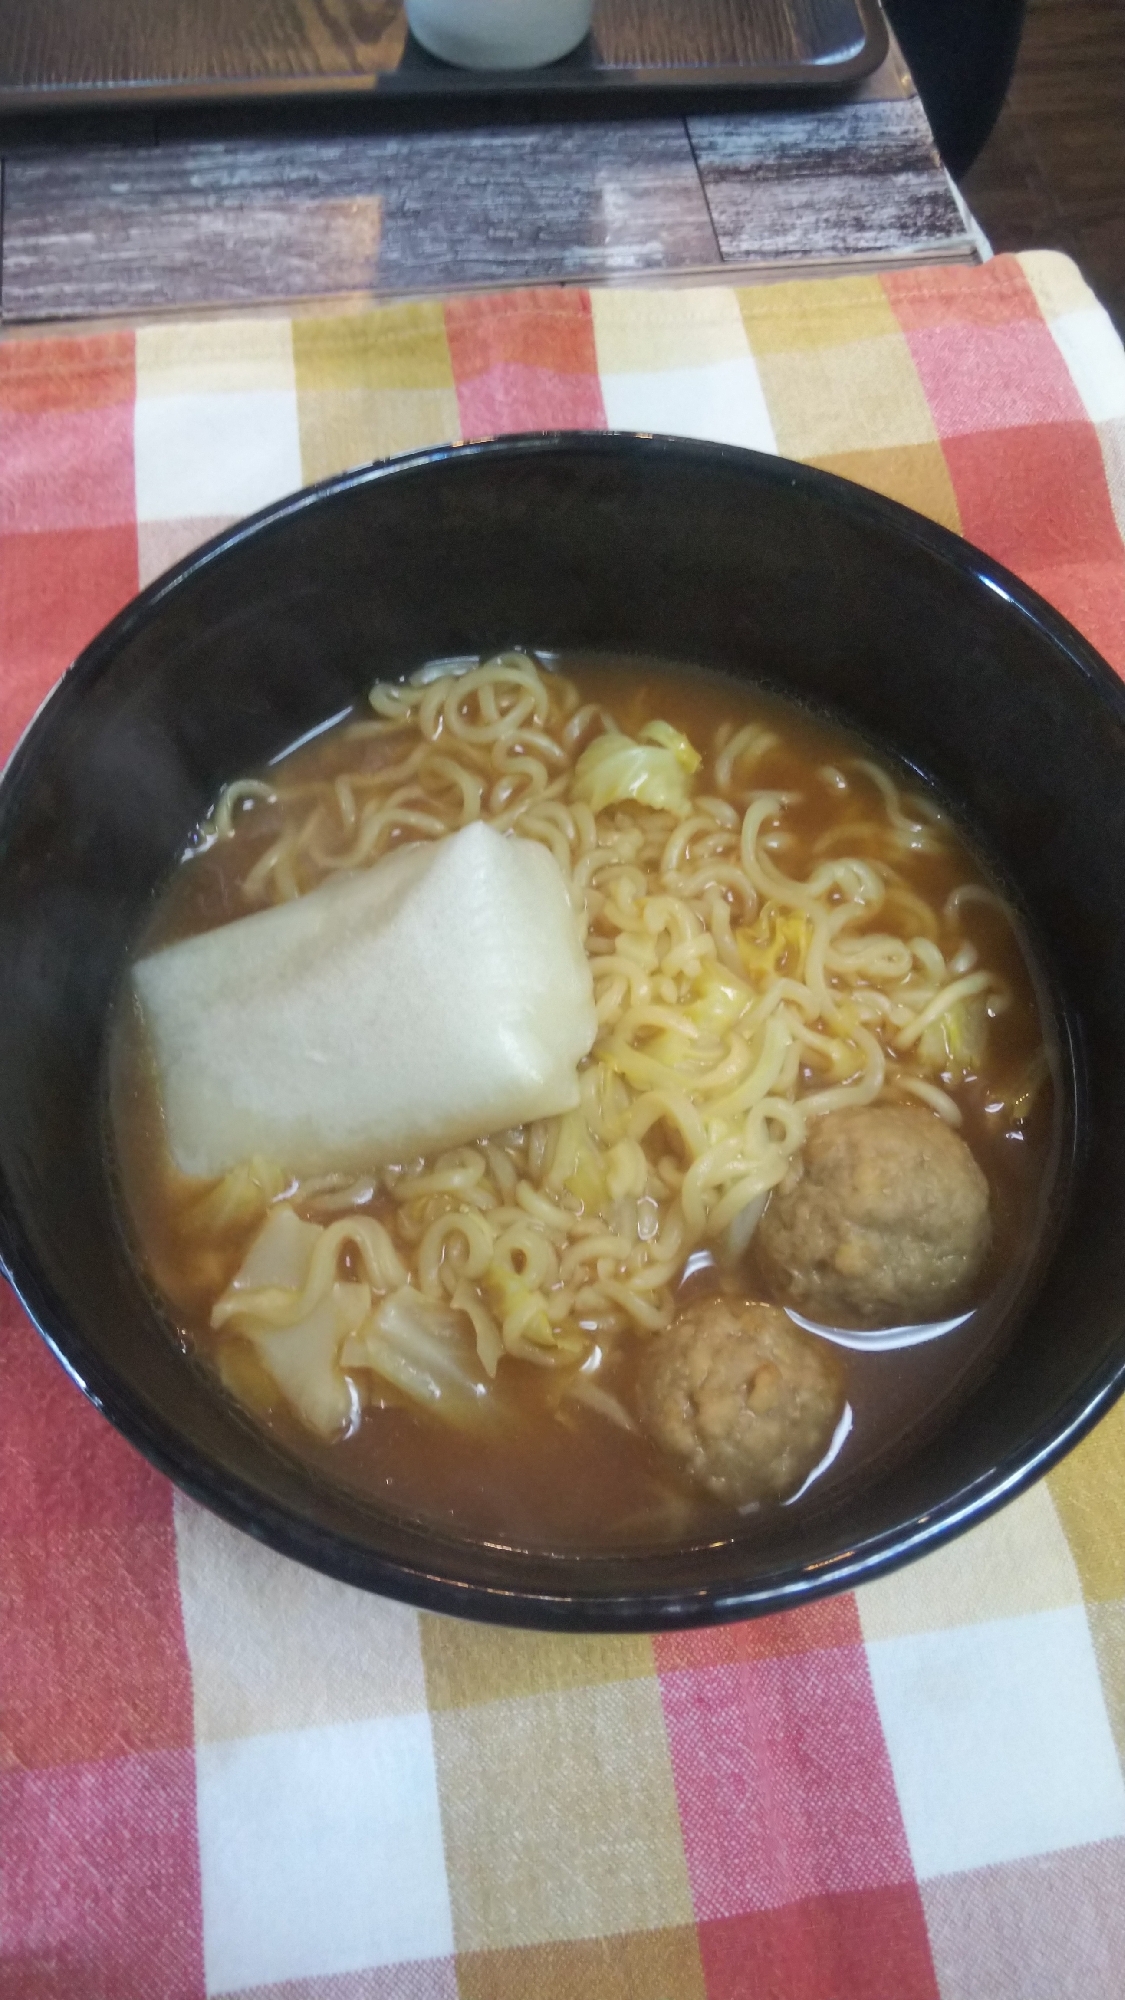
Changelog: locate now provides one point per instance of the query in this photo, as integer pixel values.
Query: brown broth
(555, 1476)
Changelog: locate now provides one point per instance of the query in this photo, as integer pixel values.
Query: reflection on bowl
(883, 1339)
(574, 545)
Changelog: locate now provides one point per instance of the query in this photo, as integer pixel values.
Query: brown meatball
(882, 1220)
(745, 1400)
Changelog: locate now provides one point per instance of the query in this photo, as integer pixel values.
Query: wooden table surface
(163, 219)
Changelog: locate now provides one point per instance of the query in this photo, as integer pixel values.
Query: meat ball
(741, 1397)
(883, 1219)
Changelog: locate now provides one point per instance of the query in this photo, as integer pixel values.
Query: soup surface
(811, 1006)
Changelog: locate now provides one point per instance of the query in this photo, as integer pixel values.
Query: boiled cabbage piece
(303, 1357)
(438, 996)
(653, 768)
(420, 1345)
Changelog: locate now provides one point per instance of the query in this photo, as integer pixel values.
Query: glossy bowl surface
(620, 544)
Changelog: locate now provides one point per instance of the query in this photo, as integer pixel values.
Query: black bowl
(687, 551)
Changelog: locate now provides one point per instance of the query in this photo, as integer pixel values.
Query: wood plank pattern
(1053, 173)
(856, 180)
(124, 231)
(85, 51)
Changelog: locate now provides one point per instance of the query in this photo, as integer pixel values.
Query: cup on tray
(499, 34)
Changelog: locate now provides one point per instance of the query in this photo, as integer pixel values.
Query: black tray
(71, 55)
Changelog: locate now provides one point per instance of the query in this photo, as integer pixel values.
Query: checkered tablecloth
(221, 1773)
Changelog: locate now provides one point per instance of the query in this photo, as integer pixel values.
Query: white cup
(499, 34)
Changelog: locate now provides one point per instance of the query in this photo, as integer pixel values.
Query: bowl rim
(435, 1586)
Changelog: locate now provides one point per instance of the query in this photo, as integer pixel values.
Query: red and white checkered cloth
(220, 1773)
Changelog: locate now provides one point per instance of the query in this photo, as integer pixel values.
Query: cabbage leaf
(653, 768)
(954, 1045)
(242, 1195)
(777, 942)
(421, 1346)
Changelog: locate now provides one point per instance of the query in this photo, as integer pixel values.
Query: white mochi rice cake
(439, 996)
